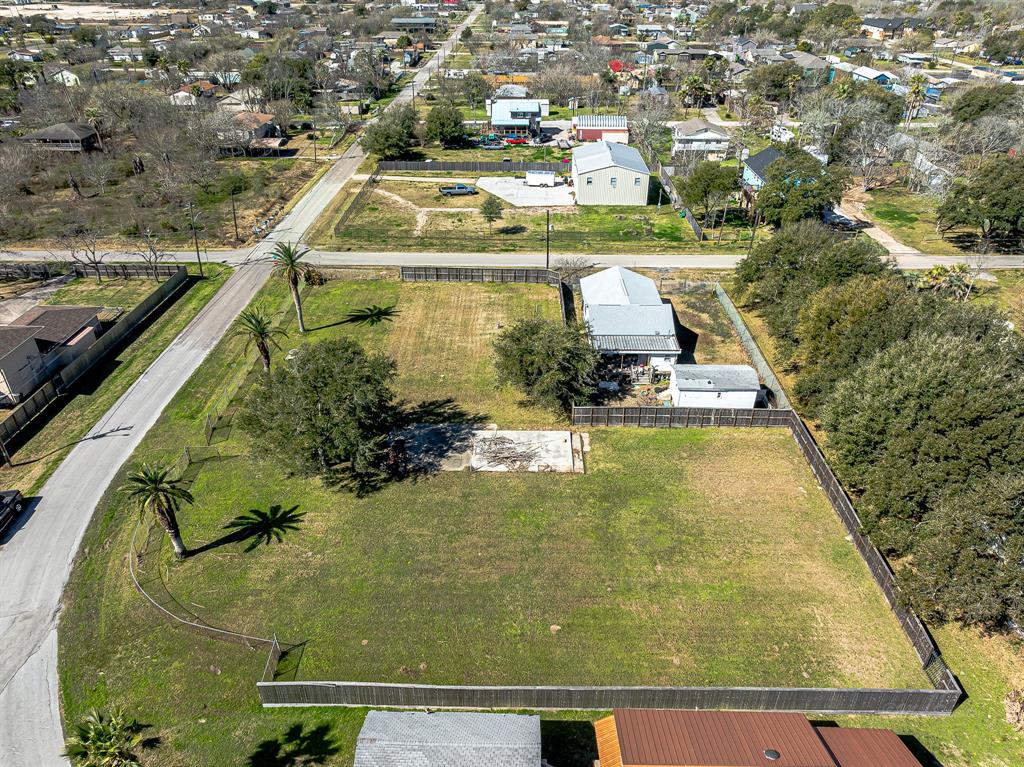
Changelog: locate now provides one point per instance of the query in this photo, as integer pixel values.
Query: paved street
(36, 559)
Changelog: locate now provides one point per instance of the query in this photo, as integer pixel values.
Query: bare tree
(83, 247)
(150, 251)
(571, 268)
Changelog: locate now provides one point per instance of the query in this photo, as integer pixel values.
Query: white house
(627, 320)
(604, 173)
(730, 386)
(517, 117)
(700, 136)
(66, 77)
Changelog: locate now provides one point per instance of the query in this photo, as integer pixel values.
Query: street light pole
(195, 237)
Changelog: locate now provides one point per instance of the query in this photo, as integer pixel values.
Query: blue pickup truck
(455, 190)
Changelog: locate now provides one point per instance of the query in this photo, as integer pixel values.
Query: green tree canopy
(968, 562)
(445, 125)
(990, 201)
(920, 418)
(708, 187)
(798, 186)
(326, 413)
(982, 100)
(552, 363)
(780, 275)
(773, 82)
(392, 134)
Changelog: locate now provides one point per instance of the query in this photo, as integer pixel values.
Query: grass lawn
(123, 294)
(716, 342)
(71, 418)
(387, 223)
(910, 218)
(733, 570)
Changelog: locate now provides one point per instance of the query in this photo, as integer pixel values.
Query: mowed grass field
(681, 557)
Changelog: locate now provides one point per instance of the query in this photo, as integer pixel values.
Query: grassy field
(711, 340)
(86, 291)
(731, 569)
(910, 218)
(399, 215)
(68, 420)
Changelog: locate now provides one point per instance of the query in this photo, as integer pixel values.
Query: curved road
(36, 559)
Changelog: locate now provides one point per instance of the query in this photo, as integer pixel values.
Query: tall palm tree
(153, 490)
(105, 741)
(288, 264)
(916, 89)
(255, 324)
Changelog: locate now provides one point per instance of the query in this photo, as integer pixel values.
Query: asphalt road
(36, 556)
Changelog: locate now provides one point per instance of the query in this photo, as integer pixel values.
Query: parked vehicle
(11, 506)
(456, 190)
(492, 146)
(517, 140)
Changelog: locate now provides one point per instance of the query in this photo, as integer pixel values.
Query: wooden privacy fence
(125, 271)
(479, 274)
(471, 167)
(809, 699)
(52, 389)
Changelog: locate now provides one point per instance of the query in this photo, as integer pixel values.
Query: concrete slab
(516, 192)
(452, 447)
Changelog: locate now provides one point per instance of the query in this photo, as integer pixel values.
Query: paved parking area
(516, 192)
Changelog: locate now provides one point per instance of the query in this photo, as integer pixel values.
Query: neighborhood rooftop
(606, 154)
(56, 324)
(716, 378)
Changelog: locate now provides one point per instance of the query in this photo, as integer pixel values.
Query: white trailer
(540, 178)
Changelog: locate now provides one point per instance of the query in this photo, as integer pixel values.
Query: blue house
(755, 167)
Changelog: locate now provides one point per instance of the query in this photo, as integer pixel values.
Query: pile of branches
(502, 451)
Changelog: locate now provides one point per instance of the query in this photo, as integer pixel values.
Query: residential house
(701, 137)
(605, 173)
(618, 30)
(64, 137)
(517, 117)
(41, 342)
(601, 128)
(415, 24)
(192, 94)
(243, 100)
(65, 77)
(869, 74)
(122, 55)
(755, 167)
(627, 320)
(889, 29)
(649, 31)
(808, 62)
(714, 386)
(448, 739)
(684, 738)
(25, 54)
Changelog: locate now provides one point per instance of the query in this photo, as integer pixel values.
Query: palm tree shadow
(259, 528)
(296, 746)
(368, 315)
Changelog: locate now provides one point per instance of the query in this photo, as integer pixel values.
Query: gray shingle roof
(448, 739)
(57, 324)
(716, 378)
(759, 162)
(62, 132)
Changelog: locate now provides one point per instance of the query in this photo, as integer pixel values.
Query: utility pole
(234, 216)
(195, 237)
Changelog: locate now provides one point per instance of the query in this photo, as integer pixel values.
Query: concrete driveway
(516, 192)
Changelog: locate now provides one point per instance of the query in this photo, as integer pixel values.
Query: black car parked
(11, 506)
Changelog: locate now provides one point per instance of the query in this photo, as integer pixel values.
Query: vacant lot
(910, 218)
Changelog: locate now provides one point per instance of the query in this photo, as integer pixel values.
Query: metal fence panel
(479, 274)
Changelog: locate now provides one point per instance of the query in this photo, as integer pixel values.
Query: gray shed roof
(632, 321)
(716, 378)
(448, 739)
(635, 344)
(619, 286)
(602, 121)
(604, 154)
(62, 132)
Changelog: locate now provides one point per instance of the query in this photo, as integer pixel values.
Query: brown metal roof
(608, 751)
(861, 747)
(672, 738)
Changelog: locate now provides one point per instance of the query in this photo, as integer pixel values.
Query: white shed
(604, 173)
(726, 386)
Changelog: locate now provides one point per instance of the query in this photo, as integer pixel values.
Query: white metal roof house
(604, 173)
(730, 386)
(448, 739)
(626, 318)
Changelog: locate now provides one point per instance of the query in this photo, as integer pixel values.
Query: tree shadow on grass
(428, 432)
(367, 315)
(258, 527)
(296, 747)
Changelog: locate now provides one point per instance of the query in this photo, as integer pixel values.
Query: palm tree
(105, 741)
(288, 264)
(153, 490)
(255, 324)
(916, 89)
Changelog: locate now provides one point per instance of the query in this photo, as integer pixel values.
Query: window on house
(636, 181)
(614, 181)
(590, 180)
